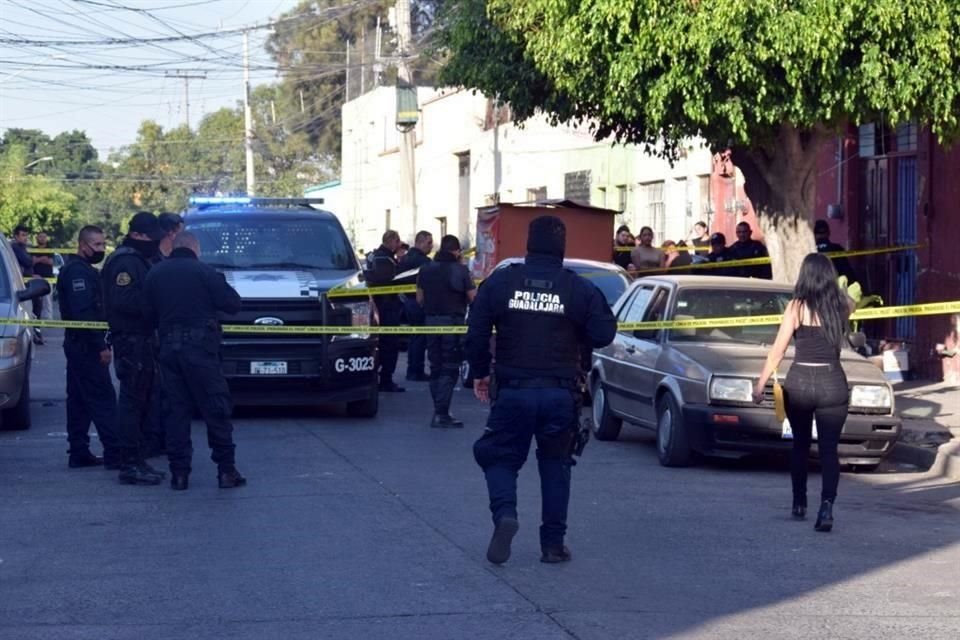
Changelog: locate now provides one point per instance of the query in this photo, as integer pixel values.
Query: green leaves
(33, 200)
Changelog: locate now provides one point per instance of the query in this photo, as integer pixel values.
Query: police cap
(146, 223)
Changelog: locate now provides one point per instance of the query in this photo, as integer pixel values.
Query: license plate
(268, 368)
(787, 432)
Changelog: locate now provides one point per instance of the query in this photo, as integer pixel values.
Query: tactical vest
(535, 331)
(118, 321)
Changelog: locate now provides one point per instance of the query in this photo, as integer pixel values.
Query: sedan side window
(655, 311)
(634, 310)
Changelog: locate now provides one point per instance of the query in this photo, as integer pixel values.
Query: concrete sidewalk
(931, 426)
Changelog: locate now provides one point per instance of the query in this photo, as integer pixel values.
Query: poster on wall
(488, 229)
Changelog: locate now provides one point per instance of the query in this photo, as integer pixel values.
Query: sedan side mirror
(857, 339)
(36, 288)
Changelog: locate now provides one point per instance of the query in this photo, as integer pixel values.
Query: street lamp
(38, 160)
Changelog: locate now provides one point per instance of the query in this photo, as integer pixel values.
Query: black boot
(139, 474)
(230, 478)
(554, 554)
(799, 510)
(824, 517)
(179, 481)
(499, 550)
(85, 459)
(445, 421)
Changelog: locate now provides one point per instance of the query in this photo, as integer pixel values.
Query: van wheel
(673, 442)
(17, 417)
(606, 426)
(366, 408)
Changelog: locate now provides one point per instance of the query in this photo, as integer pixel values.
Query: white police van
(283, 257)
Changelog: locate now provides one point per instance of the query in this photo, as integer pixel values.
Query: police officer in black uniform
(417, 257)
(381, 269)
(134, 345)
(545, 317)
(719, 253)
(90, 394)
(746, 248)
(444, 288)
(821, 233)
(184, 298)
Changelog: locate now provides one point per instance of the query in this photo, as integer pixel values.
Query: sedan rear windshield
(259, 243)
(695, 304)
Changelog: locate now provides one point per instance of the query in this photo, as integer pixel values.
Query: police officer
(90, 395)
(416, 258)
(444, 288)
(545, 316)
(719, 253)
(133, 343)
(746, 248)
(183, 298)
(381, 269)
(171, 224)
(821, 233)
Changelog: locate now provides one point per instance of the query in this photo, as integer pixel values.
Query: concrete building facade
(469, 153)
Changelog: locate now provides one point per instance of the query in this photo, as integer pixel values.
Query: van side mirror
(36, 288)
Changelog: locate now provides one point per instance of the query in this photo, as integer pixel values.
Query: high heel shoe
(799, 511)
(824, 517)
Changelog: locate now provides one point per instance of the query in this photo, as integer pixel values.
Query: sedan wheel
(673, 447)
(606, 426)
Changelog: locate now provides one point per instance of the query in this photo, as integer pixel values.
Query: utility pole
(248, 116)
(408, 142)
(187, 77)
(347, 84)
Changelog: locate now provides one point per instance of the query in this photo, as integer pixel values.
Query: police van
(283, 256)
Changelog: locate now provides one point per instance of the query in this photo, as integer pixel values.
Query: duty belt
(537, 383)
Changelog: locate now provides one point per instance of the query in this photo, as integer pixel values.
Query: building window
(706, 200)
(463, 163)
(387, 221)
(622, 198)
(868, 140)
(602, 197)
(907, 137)
(536, 194)
(655, 208)
(576, 186)
(443, 226)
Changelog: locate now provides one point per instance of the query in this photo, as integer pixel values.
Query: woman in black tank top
(817, 319)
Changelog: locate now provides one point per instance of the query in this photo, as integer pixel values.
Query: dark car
(284, 257)
(693, 387)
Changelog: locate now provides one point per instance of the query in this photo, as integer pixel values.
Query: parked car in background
(693, 387)
(16, 340)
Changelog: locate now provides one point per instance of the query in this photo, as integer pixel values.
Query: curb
(943, 462)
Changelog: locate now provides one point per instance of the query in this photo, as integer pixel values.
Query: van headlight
(870, 396)
(9, 347)
(359, 317)
(731, 390)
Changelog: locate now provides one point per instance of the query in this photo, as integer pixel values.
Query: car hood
(281, 283)
(747, 361)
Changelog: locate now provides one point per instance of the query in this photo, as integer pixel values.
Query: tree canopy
(770, 79)
(38, 202)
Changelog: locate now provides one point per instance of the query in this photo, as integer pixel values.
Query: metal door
(905, 274)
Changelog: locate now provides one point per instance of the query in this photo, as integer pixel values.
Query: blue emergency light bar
(215, 201)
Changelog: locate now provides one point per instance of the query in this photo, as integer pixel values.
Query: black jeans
(816, 392)
(446, 355)
(192, 377)
(417, 345)
(390, 310)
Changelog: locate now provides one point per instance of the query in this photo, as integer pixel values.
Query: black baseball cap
(821, 226)
(718, 238)
(169, 221)
(146, 223)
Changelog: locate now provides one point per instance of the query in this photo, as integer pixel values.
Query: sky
(51, 85)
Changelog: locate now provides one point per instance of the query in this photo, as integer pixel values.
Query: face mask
(96, 257)
(146, 247)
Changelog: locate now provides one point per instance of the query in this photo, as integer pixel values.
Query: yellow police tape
(933, 308)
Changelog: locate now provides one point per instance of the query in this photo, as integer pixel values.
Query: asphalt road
(378, 528)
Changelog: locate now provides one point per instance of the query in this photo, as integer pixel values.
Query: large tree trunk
(780, 180)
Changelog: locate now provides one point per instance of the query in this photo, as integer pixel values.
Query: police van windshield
(256, 243)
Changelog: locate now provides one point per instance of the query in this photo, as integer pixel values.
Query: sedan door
(619, 365)
(643, 355)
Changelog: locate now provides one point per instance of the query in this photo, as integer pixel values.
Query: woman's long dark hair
(818, 290)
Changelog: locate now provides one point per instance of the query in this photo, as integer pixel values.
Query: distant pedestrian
(183, 298)
(21, 240)
(42, 268)
(417, 258)
(815, 391)
(821, 233)
(381, 271)
(746, 248)
(676, 257)
(445, 288)
(646, 256)
(90, 394)
(623, 244)
(700, 238)
(719, 253)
